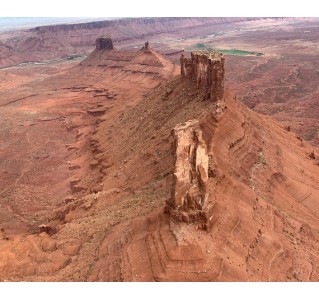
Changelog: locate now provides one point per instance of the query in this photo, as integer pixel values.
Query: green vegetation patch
(238, 52)
(202, 46)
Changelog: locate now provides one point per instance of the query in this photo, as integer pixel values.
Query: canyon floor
(86, 161)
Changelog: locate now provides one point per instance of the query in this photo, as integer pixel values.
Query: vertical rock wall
(188, 201)
(104, 43)
(207, 69)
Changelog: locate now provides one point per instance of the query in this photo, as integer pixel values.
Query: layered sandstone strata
(189, 197)
(207, 69)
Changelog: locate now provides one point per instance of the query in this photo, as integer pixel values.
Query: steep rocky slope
(265, 192)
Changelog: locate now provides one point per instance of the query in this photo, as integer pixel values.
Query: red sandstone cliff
(206, 68)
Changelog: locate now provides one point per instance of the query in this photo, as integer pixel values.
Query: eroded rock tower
(207, 69)
(190, 201)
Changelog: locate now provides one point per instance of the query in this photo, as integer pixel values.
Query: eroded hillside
(119, 109)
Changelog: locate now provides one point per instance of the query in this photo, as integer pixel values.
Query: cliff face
(137, 21)
(189, 200)
(207, 69)
(104, 43)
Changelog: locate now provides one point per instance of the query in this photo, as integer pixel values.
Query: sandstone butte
(185, 183)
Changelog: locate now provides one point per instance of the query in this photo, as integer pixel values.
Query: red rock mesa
(104, 43)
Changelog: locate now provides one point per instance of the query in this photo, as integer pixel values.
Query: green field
(238, 52)
(202, 46)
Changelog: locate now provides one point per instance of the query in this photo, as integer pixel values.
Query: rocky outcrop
(146, 48)
(104, 43)
(189, 197)
(207, 69)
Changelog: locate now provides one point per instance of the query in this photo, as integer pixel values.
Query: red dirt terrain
(281, 82)
(266, 189)
(87, 167)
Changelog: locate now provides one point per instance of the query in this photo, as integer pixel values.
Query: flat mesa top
(210, 54)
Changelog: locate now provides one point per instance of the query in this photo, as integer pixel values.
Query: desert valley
(160, 149)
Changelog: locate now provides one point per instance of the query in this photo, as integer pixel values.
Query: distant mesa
(207, 69)
(104, 43)
(128, 62)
